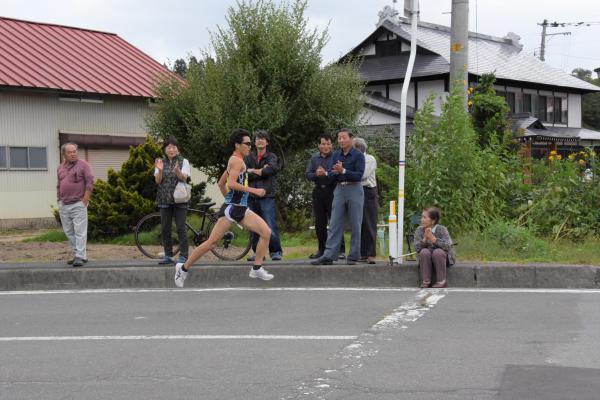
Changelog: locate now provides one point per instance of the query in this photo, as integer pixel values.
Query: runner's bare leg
(256, 224)
(217, 233)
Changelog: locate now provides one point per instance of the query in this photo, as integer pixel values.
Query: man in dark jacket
(262, 167)
(322, 195)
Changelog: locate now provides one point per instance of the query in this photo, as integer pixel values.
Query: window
(510, 100)
(509, 97)
(18, 158)
(33, 158)
(388, 48)
(557, 109)
(550, 110)
(3, 164)
(37, 158)
(542, 108)
(526, 102)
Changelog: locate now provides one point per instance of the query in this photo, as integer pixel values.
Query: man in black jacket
(262, 167)
(322, 195)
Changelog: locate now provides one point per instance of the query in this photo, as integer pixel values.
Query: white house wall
(396, 93)
(574, 101)
(427, 88)
(35, 119)
(373, 117)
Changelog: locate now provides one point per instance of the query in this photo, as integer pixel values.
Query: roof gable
(47, 56)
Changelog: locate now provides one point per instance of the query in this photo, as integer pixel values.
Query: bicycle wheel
(234, 245)
(148, 236)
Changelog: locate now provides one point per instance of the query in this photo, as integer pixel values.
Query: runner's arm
(223, 183)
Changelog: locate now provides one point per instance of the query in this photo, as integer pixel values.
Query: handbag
(182, 193)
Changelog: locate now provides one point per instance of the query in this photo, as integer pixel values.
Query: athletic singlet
(236, 196)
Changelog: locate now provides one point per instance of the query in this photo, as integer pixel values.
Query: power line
(545, 24)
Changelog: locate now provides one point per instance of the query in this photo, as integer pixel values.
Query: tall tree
(263, 72)
(180, 67)
(590, 105)
(583, 74)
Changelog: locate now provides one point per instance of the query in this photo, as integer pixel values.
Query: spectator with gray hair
(73, 191)
(368, 231)
(434, 247)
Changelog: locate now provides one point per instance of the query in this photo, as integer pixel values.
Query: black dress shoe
(318, 254)
(70, 262)
(322, 261)
(78, 262)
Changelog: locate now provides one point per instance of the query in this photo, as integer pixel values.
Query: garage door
(102, 160)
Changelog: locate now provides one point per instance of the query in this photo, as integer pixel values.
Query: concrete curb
(118, 275)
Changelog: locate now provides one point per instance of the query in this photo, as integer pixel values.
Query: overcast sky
(167, 30)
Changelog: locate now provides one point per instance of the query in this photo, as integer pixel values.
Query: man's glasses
(249, 144)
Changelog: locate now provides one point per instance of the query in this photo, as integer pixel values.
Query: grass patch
(517, 247)
(123, 240)
(477, 247)
(50, 236)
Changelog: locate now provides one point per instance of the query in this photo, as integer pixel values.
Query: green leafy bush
(117, 204)
(446, 167)
(563, 200)
(294, 193)
(516, 238)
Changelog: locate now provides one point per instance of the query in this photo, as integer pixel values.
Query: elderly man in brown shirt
(73, 191)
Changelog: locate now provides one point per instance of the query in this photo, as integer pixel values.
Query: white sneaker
(180, 275)
(261, 274)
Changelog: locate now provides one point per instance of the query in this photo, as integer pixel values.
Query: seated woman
(434, 248)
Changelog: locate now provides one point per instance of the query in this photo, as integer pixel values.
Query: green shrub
(563, 200)
(516, 238)
(446, 167)
(294, 193)
(117, 204)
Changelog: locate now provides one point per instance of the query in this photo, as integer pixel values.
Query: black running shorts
(233, 212)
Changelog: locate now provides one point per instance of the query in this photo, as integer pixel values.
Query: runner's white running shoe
(261, 274)
(180, 275)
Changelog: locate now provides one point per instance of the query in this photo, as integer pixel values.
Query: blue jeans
(265, 208)
(347, 206)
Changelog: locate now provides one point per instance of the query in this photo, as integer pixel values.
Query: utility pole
(543, 46)
(547, 24)
(459, 47)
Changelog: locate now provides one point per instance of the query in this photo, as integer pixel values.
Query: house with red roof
(62, 84)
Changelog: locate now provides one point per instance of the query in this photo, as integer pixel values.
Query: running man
(234, 186)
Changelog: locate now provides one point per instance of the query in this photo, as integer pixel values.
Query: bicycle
(234, 245)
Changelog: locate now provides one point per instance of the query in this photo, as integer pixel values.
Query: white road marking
(171, 337)
(368, 344)
(295, 289)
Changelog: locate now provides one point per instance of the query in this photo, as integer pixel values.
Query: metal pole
(459, 47)
(411, 7)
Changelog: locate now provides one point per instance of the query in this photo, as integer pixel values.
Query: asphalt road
(300, 344)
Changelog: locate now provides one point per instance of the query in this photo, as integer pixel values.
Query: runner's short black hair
(262, 134)
(168, 141)
(237, 136)
(325, 136)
